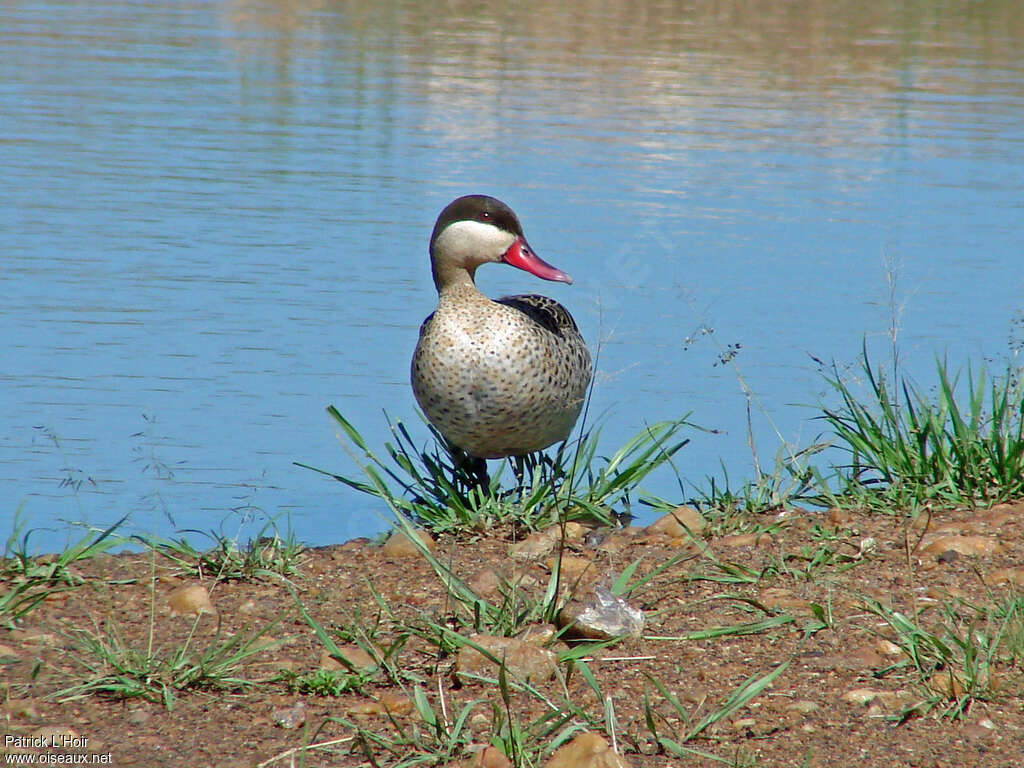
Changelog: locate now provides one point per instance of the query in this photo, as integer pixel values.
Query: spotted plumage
(497, 378)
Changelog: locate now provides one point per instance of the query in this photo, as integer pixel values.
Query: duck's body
(496, 378)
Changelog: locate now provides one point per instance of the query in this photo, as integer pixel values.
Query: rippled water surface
(214, 221)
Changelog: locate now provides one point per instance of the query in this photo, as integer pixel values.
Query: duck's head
(477, 229)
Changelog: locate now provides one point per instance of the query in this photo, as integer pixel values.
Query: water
(214, 219)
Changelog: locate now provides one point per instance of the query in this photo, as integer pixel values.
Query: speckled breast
(501, 384)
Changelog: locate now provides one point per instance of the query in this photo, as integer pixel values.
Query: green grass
(431, 486)
(958, 653)
(267, 555)
(961, 446)
(28, 580)
(106, 664)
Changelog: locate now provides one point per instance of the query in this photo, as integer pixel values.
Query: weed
(967, 652)
(907, 449)
(268, 555)
(435, 489)
(31, 579)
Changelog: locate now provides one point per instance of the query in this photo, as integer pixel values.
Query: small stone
(681, 522)
(744, 723)
(399, 545)
(534, 547)
(190, 600)
(804, 706)
(946, 684)
(976, 732)
(573, 568)
(488, 757)
(486, 583)
(247, 608)
(888, 647)
(1014, 576)
(964, 545)
(387, 703)
(6, 652)
(522, 659)
(861, 696)
(139, 716)
(360, 660)
(586, 750)
(746, 540)
(25, 709)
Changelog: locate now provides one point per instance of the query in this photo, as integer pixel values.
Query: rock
(1014, 576)
(587, 750)
(574, 530)
(803, 706)
(486, 583)
(745, 540)
(573, 569)
(395, 704)
(6, 652)
(602, 618)
(248, 608)
(139, 716)
(360, 660)
(888, 647)
(488, 757)
(190, 600)
(22, 709)
(882, 700)
(535, 546)
(399, 545)
(524, 660)
(681, 522)
(964, 545)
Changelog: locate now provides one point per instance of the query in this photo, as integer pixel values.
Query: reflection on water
(215, 217)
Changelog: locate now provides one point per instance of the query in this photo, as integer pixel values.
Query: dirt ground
(843, 699)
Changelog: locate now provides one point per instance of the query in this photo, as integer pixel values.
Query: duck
(499, 377)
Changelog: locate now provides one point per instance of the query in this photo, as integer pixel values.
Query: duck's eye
(485, 216)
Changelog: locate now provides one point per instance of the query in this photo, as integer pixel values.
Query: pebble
(536, 546)
(745, 540)
(586, 750)
(964, 545)
(1014, 576)
(488, 757)
(387, 703)
(573, 568)
(399, 545)
(7, 652)
(192, 600)
(681, 522)
(524, 660)
(356, 656)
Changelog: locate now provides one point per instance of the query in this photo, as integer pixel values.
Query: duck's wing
(544, 311)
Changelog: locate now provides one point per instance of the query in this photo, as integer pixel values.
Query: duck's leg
(470, 470)
(477, 468)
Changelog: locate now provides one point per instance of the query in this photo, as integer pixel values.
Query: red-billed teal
(496, 378)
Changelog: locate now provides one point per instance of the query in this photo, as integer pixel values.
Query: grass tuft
(434, 488)
(961, 446)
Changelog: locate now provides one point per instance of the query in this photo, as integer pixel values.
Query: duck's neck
(454, 281)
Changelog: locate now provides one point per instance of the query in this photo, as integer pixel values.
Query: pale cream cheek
(473, 242)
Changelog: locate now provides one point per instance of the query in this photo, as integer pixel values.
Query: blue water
(214, 220)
